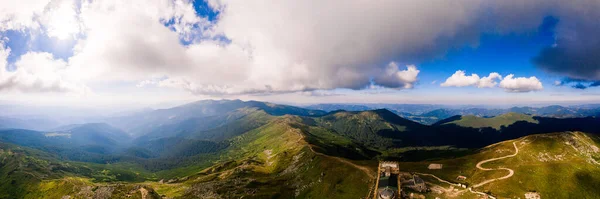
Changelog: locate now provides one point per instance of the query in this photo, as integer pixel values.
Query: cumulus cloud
(21, 15)
(520, 84)
(38, 72)
(4, 52)
(489, 81)
(393, 77)
(509, 83)
(305, 55)
(326, 49)
(292, 46)
(60, 19)
(460, 79)
(252, 63)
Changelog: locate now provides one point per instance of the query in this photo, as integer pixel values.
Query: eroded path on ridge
(510, 171)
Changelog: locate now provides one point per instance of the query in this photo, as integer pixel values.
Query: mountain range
(429, 114)
(251, 149)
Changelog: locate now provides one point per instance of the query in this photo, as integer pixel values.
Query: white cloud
(520, 84)
(37, 72)
(142, 47)
(321, 49)
(393, 77)
(4, 52)
(459, 79)
(509, 83)
(21, 14)
(489, 81)
(212, 67)
(285, 47)
(408, 77)
(61, 20)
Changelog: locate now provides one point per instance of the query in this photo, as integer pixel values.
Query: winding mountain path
(510, 171)
(470, 189)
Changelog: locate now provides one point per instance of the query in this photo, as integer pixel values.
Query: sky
(152, 52)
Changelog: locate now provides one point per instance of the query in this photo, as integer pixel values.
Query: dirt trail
(510, 171)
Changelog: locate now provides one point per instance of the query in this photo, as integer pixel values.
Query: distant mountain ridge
(141, 123)
(33, 124)
(429, 114)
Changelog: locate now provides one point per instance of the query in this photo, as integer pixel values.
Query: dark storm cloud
(581, 62)
(576, 51)
(579, 83)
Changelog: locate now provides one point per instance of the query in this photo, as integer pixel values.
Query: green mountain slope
(30, 173)
(376, 128)
(272, 161)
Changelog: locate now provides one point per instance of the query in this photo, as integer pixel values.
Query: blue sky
(80, 52)
(505, 54)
